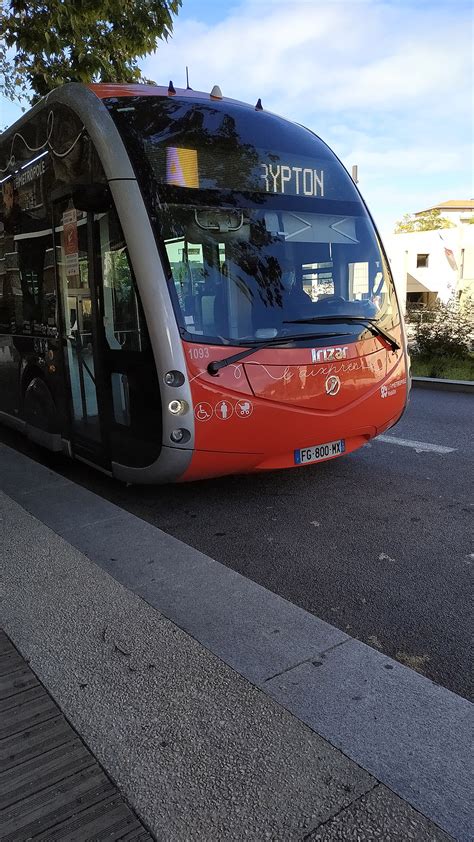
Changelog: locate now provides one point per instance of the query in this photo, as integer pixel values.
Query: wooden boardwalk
(51, 787)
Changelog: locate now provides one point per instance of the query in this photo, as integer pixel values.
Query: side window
(123, 322)
(27, 288)
(36, 272)
(196, 281)
(10, 287)
(3, 298)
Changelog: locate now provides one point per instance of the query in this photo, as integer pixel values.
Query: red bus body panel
(254, 414)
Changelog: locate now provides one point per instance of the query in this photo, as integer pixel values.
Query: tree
(427, 221)
(11, 85)
(84, 41)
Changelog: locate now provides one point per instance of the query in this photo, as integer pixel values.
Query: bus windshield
(261, 224)
(247, 273)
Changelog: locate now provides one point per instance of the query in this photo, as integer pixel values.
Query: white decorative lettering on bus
(329, 354)
(294, 181)
(36, 171)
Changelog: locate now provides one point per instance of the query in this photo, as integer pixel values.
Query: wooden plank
(50, 768)
(109, 820)
(25, 716)
(54, 804)
(23, 698)
(5, 644)
(10, 662)
(137, 836)
(17, 681)
(35, 741)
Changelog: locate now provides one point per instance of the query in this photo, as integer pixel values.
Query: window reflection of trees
(156, 125)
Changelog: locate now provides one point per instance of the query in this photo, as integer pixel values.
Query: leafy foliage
(11, 84)
(449, 331)
(451, 368)
(428, 221)
(83, 41)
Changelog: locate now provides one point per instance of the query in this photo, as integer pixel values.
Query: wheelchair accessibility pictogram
(203, 411)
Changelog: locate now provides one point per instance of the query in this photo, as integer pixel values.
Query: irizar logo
(333, 384)
(327, 354)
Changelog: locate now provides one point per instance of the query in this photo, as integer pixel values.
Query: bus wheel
(39, 409)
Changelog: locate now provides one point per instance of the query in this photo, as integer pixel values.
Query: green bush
(449, 368)
(448, 333)
(416, 314)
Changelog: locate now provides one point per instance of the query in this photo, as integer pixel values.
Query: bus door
(82, 331)
(134, 420)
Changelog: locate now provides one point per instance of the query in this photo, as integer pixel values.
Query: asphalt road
(378, 543)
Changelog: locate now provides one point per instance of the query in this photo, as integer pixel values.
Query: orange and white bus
(189, 287)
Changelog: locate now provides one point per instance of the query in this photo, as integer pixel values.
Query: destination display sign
(292, 180)
(205, 169)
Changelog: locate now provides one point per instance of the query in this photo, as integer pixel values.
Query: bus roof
(112, 89)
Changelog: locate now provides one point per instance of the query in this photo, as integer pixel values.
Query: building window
(421, 260)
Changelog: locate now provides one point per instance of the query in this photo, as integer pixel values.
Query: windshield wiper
(370, 324)
(214, 367)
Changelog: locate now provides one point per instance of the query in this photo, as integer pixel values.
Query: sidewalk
(197, 750)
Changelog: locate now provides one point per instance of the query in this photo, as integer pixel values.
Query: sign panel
(71, 247)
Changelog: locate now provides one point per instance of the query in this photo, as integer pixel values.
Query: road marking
(419, 446)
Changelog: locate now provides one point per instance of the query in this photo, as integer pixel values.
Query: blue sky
(387, 84)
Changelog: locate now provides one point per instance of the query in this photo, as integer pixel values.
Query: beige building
(435, 265)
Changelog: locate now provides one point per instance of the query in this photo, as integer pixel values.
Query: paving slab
(60, 504)
(19, 478)
(412, 734)
(257, 633)
(379, 816)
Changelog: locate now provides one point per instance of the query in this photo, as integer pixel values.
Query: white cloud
(386, 84)
(310, 54)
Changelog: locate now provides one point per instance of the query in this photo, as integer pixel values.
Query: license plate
(319, 452)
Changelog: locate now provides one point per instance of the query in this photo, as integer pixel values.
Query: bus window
(74, 279)
(37, 281)
(235, 286)
(28, 300)
(121, 312)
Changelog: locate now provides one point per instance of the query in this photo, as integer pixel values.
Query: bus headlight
(178, 407)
